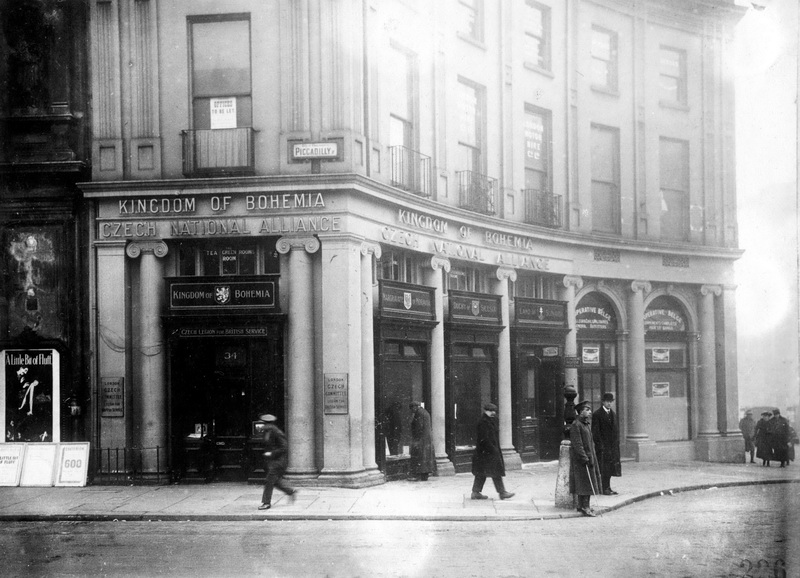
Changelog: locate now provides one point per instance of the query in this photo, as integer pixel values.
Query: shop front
(537, 335)
(403, 343)
(472, 338)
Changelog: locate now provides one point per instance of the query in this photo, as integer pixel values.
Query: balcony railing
(477, 192)
(218, 152)
(411, 171)
(542, 208)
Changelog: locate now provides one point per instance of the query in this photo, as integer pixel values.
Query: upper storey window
(674, 177)
(604, 59)
(672, 76)
(537, 35)
(605, 180)
(470, 126)
(470, 19)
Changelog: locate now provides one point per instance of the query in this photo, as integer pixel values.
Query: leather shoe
(264, 507)
(478, 496)
(610, 492)
(506, 495)
(588, 512)
(292, 497)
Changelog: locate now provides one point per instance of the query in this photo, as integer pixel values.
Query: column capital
(716, 290)
(286, 244)
(573, 281)
(504, 273)
(136, 248)
(440, 263)
(643, 286)
(374, 248)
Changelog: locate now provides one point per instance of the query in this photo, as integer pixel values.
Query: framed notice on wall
(39, 465)
(223, 113)
(113, 396)
(11, 456)
(72, 464)
(661, 389)
(336, 393)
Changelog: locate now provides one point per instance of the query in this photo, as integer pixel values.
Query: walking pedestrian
(748, 428)
(276, 457)
(423, 461)
(605, 432)
(761, 435)
(487, 460)
(779, 434)
(584, 473)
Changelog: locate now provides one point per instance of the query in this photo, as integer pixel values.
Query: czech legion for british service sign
(222, 294)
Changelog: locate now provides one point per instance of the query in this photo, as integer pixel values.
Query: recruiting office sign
(29, 394)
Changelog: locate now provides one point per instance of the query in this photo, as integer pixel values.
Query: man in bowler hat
(487, 460)
(277, 458)
(605, 432)
(584, 473)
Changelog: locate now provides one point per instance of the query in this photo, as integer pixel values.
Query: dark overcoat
(605, 433)
(761, 438)
(487, 460)
(584, 474)
(423, 460)
(748, 427)
(275, 442)
(778, 429)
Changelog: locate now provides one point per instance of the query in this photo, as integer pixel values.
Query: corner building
(324, 209)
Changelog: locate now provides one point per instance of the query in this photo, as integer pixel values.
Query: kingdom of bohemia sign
(336, 393)
(223, 294)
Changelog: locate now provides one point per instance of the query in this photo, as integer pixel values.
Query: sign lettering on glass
(335, 393)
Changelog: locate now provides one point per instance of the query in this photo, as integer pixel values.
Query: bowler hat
(776, 411)
(608, 396)
(581, 405)
(267, 417)
(489, 407)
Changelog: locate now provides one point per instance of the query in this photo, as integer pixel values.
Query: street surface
(751, 531)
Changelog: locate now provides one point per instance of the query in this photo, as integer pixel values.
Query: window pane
(247, 261)
(468, 114)
(210, 262)
(221, 58)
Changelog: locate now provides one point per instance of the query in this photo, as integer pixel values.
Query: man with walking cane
(584, 473)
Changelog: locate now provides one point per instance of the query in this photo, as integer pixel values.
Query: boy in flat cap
(605, 432)
(487, 460)
(584, 473)
(277, 459)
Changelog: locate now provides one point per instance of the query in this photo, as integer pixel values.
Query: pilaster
(512, 459)
(572, 284)
(707, 385)
(638, 441)
(369, 252)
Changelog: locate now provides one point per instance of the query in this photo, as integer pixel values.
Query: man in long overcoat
(487, 460)
(584, 473)
(748, 429)
(277, 459)
(423, 460)
(761, 435)
(605, 432)
(778, 429)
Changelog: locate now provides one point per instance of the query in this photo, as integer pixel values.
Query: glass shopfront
(667, 370)
(471, 367)
(596, 325)
(405, 318)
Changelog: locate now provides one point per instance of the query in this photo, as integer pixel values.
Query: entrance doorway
(539, 405)
(219, 388)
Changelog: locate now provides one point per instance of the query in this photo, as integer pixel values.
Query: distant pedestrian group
(772, 436)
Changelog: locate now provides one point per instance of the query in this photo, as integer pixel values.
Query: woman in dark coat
(761, 437)
(487, 459)
(584, 473)
(423, 461)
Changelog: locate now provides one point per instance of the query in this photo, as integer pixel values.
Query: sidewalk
(445, 498)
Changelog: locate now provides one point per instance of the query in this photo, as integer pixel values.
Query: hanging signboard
(473, 307)
(38, 465)
(539, 312)
(11, 456)
(335, 393)
(223, 113)
(404, 300)
(72, 464)
(29, 394)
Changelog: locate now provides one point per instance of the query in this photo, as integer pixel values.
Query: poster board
(32, 377)
(11, 456)
(72, 464)
(38, 465)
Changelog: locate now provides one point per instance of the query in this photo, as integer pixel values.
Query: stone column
(300, 353)
(512, 459)
(150, 357)
(636, 395)
(572, 284)
(369, 252)
(707, 367)
(434, 278)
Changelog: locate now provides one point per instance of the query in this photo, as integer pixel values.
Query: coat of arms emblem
(222, 294)
(476, 307)
(406, 299)
(541, 313)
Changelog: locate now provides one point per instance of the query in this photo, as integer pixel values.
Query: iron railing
(224, 151)
(542, 208)
(411, 170)
(477, 192)
(130, 466)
